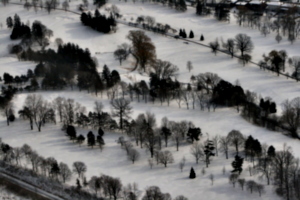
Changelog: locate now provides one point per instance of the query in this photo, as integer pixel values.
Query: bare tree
(211, 177)
(18, 154)
(216, 141)
(65, 5)
(295, 63)
(260, 189)
(95, 183)
(181, 197)
(79, 168)
(290, 116)
(243, 43)
(164, 69)
(236, 139)
(241, 182)
(233, 179)
(182, 164)
(197, 151)
(7, 111)
(65, 172)
(150, 162)
(230, 47)
(224, 145)
(133, 155)
(189, 66)
(126, 145)
(207, 81)
(165, 157)
(214, 46)
(121, 108)
(251, 185)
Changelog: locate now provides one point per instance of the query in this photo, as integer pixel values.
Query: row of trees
(99, 22)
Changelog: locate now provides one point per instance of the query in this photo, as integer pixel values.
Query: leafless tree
(164, 69)
(131, 192)
(127, 146)
(181, 197)
(295, 63)
(236, 139)
(224, 170)
(165, 157)
(211, 177)
(207, 81)
(65, 5)
(214, 46)
(182, 164)
(51, 5)
(251, 185)
(79, 168)
(121, 108)
(34, 159)
(290, 116)
(224, 145)
(186, 98)
(95, 183)
(233, 179)
(230, 47)
(7, 111)
(150, 20)
(65, 172)
(176, 134)
(241, 182)
(18, 155)
(133, 155)
(113, 186)
(189, 66)
(216, 141)
(260, 189)
(197, 151)
(150, 162)
(243, 43)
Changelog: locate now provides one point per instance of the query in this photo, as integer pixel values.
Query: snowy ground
(112, 161)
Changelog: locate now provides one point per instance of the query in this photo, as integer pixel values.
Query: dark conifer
(191, 34)
(237, 164)
(192, 173)
(201, 38)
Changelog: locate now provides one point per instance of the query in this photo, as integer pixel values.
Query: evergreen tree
(201, 38)
(80, 139)
(191, 34)
(271, 152)
(78, 185)
(91, 139)
(184, 34)
(71, 132)
(208, 151)
(192, 173)
(100, 132)
(9, 22)
(237, 164)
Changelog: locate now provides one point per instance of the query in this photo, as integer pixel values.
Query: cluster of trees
(92, 140)
(179, 5)
(284, 24)
(99, 22)
(149, 23)
(183, 34)
(54, 173)
(241, 42)
(38, 34)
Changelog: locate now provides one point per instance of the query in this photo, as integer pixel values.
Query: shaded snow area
(112, 160)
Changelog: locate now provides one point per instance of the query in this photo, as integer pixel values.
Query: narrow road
(29, 187)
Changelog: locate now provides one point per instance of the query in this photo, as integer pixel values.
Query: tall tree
(243, 43)
(121, 108)
(142, 48)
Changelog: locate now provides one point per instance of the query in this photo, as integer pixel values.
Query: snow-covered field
(112, 161)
